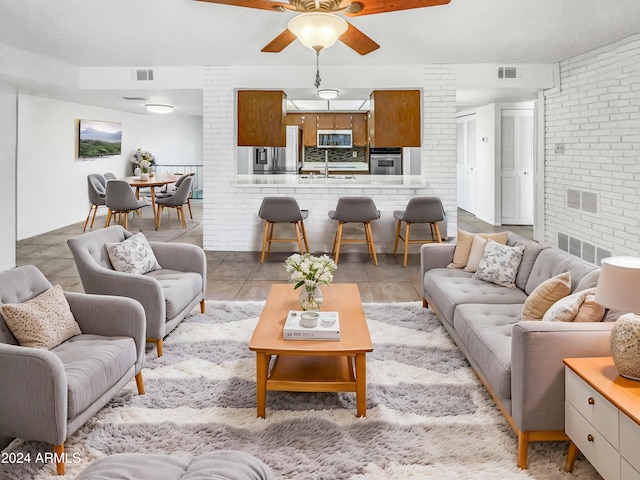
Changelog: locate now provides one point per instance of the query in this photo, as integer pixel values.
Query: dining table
(152, 182)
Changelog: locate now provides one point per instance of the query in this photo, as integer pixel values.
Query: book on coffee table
(328, 327)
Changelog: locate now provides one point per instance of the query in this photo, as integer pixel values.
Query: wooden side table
(602, 417)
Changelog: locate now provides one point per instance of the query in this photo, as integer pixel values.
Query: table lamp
(619, 289)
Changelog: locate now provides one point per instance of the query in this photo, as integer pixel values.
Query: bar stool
(355, 210)
(282, 209)
(419, 210)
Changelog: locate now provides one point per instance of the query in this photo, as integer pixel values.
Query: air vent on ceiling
(144, 74)
(507, 72)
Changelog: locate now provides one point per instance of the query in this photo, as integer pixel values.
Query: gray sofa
(167, 294)
(47, 395)
(519, 362)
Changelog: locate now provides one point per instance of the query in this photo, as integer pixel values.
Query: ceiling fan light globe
(317, 30)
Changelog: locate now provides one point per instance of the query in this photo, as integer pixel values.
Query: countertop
(362, 181)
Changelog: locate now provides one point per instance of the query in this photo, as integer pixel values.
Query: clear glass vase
(310, 298)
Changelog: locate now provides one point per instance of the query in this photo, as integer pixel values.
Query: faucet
(326, 164)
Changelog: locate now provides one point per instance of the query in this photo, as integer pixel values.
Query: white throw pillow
(43, 322)
(133, 255)
(499, 264)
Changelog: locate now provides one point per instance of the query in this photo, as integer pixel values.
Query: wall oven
(385, 161)
(335, 138)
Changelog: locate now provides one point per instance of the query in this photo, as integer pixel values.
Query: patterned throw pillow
(44, 321)
(578, 307)
(133, 255)
(499, 264)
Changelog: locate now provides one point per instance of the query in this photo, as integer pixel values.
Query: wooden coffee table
(312, 365)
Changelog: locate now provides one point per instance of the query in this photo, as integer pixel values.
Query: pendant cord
(317, 84)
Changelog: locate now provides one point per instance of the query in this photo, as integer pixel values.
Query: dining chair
(177, 200)
(427, 210)
(110, 176)
(121, 199)
(355, 210)
(170, 191)
(97, 191)
(282, 210)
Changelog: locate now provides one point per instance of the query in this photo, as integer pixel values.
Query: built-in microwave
(335, 139)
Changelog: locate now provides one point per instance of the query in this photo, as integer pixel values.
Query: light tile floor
(240, 276)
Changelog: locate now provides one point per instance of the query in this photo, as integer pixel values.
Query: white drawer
(627, 472)
(630, 441)
(602, 455)
(596, 409)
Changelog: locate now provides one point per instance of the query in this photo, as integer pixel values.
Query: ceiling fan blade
(370, 7)
(261, 4)
(280, 42)
(358, 41)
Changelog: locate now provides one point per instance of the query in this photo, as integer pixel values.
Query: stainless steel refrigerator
(270, 160)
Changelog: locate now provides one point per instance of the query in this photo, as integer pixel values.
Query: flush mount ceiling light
(328, 93)
(317, 30)
(158, 108)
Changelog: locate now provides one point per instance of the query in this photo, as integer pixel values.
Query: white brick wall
(595, 113)
(230, 212)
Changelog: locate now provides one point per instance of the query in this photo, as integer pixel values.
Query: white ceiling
(187, 32)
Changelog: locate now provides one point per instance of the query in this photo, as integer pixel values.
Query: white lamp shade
(317, 30)
(619, 284)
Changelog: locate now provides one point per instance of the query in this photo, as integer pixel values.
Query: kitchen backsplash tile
(313, 154)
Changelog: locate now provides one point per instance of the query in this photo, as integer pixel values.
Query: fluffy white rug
(428, 416)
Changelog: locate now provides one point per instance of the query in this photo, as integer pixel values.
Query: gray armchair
(167, 295)
(46, 394)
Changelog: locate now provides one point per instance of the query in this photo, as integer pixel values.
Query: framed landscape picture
(99, 139)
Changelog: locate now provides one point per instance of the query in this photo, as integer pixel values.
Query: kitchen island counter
(344, 182)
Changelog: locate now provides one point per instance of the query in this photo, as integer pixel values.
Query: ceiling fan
(352, 37)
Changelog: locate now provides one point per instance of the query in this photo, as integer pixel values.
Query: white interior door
(466, 129)
(516, 133)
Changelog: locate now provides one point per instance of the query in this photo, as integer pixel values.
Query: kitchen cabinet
(295, 119)
(334, 121)
(360, 131)
(262, 118)
(394, 118)
(310, 130)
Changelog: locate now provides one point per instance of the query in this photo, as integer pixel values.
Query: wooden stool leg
(270, 239)
(264, 240)
(373, 247)
(338, 241)
(299, 238)
(406, 243)
(395, 246)
(437, 228)
(304, 235)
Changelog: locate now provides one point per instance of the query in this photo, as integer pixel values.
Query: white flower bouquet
(143, 159)
(309, 271)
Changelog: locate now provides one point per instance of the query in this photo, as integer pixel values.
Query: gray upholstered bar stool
(355, 210)
(427, 210)
(278, 210)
